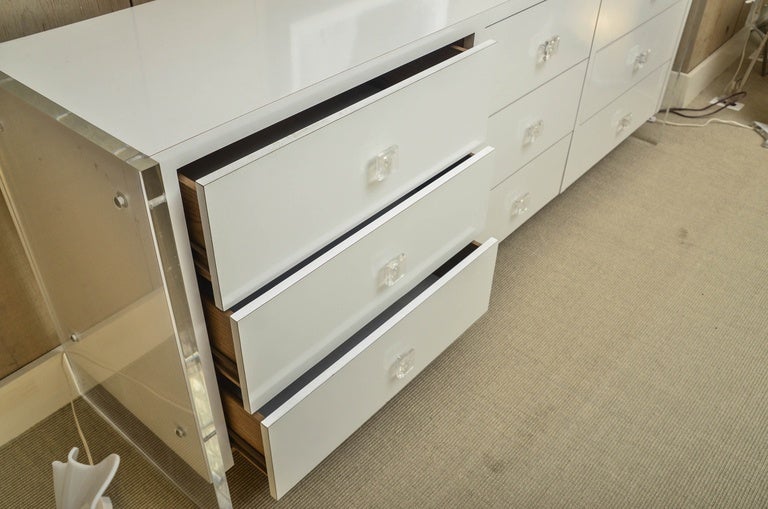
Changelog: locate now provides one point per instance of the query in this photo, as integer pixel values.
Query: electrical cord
(705, 124)
(735, 82)
(730, 100)
(723, 103)
(73, 393)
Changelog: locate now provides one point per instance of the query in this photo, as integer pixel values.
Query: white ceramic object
(78, 485)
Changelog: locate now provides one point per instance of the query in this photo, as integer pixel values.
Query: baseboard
(684, 87)
(31, 394)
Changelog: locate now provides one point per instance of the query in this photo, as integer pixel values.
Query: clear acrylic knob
(383, 165)
(624, 122)
(393, 271)
(520, 205)
(404, 364)
(548, 49)
(642, 59)
(533, 132)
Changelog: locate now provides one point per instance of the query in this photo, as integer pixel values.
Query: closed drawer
(619, 17)
(603, 132)
(526, 128)
(523, 194)
(537, 44)
(265, 212)
(305, 425)
(288, 329)
(630, 59)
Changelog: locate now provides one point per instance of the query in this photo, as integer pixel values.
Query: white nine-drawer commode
(317, 190)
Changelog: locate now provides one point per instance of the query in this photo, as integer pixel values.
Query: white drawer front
(524, 60)
(311, 424)
(526, 128)
(603, 132)
(630, 59)
(523, 194)
(619, 17)
(265, 213)
(291, 327)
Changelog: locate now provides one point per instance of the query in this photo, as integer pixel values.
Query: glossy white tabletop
(163, 72)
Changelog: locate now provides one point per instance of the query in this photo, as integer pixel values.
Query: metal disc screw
(120, 201)
(181, 432)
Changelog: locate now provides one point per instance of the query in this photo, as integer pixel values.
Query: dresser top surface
(159, 74)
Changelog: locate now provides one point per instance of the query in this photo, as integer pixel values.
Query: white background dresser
(318, 186)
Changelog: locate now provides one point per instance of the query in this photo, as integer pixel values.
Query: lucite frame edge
(149, 173)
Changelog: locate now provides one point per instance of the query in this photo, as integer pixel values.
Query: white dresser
(603, 68)
(318, 186)
(635, 43)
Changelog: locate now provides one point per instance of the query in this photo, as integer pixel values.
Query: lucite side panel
(93, 217)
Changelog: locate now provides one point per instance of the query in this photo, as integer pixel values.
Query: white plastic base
(78, 486)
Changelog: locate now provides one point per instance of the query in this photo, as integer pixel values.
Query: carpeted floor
(622, 362)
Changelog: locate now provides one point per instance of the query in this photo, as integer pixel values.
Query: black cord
(729, 101)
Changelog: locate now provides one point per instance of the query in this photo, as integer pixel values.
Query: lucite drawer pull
(520, 205)
(533, 132)
(383, 164)
(404, 364)
(549, 48)
(393, 271)
(642, 59)
(624, 122)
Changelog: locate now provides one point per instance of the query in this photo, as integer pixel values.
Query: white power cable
(705, 124)
(74, 392)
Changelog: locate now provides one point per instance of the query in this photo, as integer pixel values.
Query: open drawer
(295, 431)
(307, 180)
(280, 334)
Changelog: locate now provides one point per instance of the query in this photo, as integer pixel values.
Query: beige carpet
(623, 362)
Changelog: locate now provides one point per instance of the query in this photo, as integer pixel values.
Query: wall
(26, 328)
(711, 23)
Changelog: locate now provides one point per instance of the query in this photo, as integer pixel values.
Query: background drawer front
(630, 59)
(519, 60)
(603, 132)
(304, 430)
(262, 216)
(618, 17)
(290, 328)
(526, 128)
(523, 194)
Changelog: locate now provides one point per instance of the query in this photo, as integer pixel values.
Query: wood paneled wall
(26, 327)
(711, 23)
(24, 17)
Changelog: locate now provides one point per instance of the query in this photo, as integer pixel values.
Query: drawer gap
(239, 422)
(342, 238)
(225, 367)
(250, 454)
(260, 139)
(362, 334)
